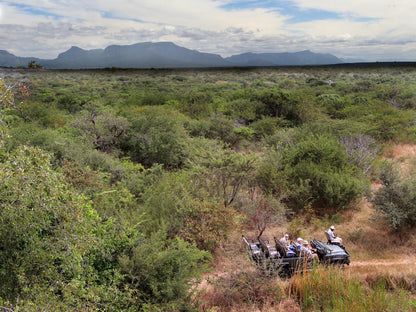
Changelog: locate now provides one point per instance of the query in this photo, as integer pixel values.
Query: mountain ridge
(164, 55)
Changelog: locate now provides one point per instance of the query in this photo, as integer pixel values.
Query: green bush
(396, 199)
(333, 104)
(314, 170)
(71, 102)
(240, 109)
(156, 136)
(48, 230)
(161, 272)
(265, 127)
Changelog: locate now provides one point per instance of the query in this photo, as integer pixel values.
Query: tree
(103, 128)
(221, 171)
(279, 104)
(361, 150)
(46, 228)
(268, 211)
(33, 65)
(157, 136)
(396, 199)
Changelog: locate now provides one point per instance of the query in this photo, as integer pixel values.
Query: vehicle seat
(327, 237)
(329, 240)
(280, 248)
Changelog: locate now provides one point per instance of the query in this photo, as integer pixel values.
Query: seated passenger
(285, 241)
(299, 243)
(307, 250)
(333, 236)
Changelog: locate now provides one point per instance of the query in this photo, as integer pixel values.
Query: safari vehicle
(331, 253)
(274, 258)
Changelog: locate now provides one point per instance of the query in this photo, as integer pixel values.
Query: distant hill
(163, 55)
(9, 60)
(283, 59)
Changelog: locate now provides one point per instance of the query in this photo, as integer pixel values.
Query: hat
(299, 239)
(286, 235)
(305, 242)
(332, 227)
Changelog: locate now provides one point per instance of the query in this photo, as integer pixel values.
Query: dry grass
(404, 154)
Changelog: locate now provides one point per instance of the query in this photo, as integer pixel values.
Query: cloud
(45, 28)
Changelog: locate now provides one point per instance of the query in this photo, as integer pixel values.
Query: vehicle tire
(284, 273)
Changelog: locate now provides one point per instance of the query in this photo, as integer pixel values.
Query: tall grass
(331, 289)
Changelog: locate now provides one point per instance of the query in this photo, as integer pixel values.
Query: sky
(369, 30)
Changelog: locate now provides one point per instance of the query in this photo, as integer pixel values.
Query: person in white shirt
(333, 236)
(285, 241)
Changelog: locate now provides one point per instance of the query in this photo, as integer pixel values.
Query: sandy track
(383, 262)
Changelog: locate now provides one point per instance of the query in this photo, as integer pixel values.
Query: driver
(333, 236)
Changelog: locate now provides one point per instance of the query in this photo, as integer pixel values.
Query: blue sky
(356, 29)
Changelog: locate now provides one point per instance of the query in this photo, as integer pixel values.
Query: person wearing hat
(299, 243)
(307, 250)
(285, 241)
(333, 236)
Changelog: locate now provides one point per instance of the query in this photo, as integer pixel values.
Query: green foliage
(10, 96)
(176, 202)
(208, 224)
(102, 128)
(148, 167)
(47, 228)
(279, 104)
(332, 103)
(156, 136)
(396, 199)
(137, 179)
(388, 124)
(194, 103)
(161, 271)
(313, 171)
(221, 171)
(241, 109)
(265, 127)
(71, 102)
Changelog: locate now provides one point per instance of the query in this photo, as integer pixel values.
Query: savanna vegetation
(121, 189)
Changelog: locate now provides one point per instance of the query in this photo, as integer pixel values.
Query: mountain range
(163, 55)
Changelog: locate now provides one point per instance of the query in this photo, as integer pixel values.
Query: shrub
(161, 272)
(265, 127)
(313, 171)
(241, 109)
(48, 232)
(332, 103)
(71, 102)
(396, 199)
(156, 136)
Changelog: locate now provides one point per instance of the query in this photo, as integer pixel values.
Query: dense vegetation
(118, 186)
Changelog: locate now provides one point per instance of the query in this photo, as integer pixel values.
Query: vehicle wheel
(284, 273)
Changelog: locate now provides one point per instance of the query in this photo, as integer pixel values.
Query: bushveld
(126, 190)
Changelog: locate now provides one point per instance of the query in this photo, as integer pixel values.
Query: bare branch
(361, 151)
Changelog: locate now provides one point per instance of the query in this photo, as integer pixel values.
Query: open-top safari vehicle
(275, 258)
(331, 253)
